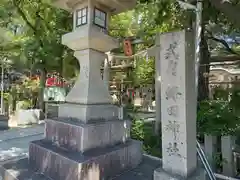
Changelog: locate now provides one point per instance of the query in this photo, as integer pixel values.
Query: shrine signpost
(178, 107)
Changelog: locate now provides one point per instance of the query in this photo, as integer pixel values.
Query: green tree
(43, 26)
(216, 14)
(144, 72)
(142, 24)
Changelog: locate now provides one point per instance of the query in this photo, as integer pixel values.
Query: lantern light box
(81, 17)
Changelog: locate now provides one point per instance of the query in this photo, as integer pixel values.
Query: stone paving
(15, 142)
(14, 147)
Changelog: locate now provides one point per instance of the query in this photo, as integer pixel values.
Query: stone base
(76, 136)
(19, 169)
(88, 112)
(97, 164)
(161, 174)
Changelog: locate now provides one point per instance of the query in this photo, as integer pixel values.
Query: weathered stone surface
(26, 117)
(80, 137)
(60, 164)
(17, 133)
(161, 174)
(89, 88)
(88, 112)
(178, 102)
(51, 110)
(20, 170)
(227, 146)
(210, 147)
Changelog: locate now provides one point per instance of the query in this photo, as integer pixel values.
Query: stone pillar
(227, 155)
(179, 105)
(89, 81)
(145, 98)
(94, 98)
(210, 143)
(149, 98)
(137, 99)
(118, 61)
(106, 72)
(155, 52)
(157, 86)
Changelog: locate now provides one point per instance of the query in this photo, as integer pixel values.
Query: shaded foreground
(20, 170)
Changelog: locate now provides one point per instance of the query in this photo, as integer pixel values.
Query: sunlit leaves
(144, 72)
(217, 118)
(124, 25)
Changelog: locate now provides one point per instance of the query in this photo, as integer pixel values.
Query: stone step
(77, 136)
(60, 164)
(21, 170)
(16, 133)
(88, 112)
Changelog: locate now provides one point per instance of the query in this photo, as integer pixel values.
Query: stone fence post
(210, 147)
(227, 145)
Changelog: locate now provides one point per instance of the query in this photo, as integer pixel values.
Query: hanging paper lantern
(50, 82)
(127, 47)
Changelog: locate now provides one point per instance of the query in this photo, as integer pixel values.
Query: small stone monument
(87, 140)
(178, 108)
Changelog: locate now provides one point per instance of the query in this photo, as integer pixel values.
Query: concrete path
(14, 142)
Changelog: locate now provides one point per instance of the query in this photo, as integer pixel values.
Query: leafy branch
(230, 9)
(22, 14)
(223, 42)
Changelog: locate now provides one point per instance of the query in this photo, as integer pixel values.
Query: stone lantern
(87, 140)
(90, 40)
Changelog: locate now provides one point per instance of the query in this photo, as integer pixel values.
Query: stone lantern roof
(115, 6)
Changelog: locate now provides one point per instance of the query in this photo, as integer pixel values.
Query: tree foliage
(38, 27)
(34, 31)
(144, 73)
(217, 118)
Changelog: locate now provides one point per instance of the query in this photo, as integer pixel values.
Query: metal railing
(206, 165)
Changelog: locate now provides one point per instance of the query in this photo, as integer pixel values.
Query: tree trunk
(204, 69)
(43, 77)
(203, 84)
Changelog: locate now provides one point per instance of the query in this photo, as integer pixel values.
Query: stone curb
(21, 133)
